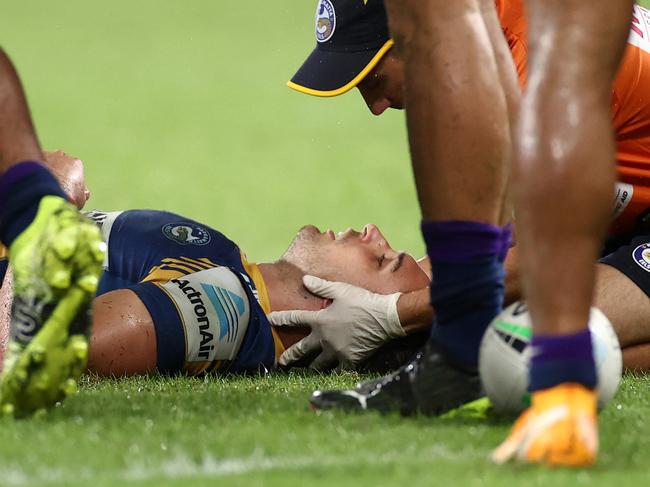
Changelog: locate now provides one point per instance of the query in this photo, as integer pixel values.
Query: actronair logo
(214, 308)
(229, 308)
(206, 344)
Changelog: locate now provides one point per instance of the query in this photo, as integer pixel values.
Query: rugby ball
(505, 355)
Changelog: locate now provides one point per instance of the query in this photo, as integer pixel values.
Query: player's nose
(372, 234)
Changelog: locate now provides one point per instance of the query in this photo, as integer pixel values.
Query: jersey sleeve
(209, 309)
(206, 321)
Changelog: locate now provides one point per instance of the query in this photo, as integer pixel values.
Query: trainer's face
(383, 87)
(364, 259)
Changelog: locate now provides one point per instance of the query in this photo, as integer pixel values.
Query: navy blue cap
(351, 38)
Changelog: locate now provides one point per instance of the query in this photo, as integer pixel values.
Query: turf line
(183, 467)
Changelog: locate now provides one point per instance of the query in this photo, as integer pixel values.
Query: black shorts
(631, 256)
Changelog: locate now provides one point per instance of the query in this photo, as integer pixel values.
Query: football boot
(559, 429)
(56, 264)
(429, 384)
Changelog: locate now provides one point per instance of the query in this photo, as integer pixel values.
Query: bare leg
(460, 94)
(564, 171)
(510, 85)
(44, 349)
(457, 111)
(563, 182)
(18, 140)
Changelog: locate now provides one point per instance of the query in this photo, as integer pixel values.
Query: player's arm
(123, 339)
(414, 308)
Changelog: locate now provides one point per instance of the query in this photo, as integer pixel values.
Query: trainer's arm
(354, 325)
(414, 311)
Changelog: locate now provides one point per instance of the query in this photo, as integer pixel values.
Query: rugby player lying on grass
(162, 268)
(361, 55)
(177, 295)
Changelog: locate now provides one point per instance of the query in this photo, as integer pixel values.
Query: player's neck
(286, 291)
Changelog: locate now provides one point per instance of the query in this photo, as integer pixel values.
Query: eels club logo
(186, 233)
(641, 256)
(325, 21)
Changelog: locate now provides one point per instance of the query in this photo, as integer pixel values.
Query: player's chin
(309, 232)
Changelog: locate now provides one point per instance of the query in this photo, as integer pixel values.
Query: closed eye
(398, 261)
(381, 260)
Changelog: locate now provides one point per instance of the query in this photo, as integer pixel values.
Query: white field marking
(182, 466)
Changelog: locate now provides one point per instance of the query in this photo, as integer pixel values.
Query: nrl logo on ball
(186, 233)
(325, 21)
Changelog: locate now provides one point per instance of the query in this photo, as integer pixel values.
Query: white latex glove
(348, 331)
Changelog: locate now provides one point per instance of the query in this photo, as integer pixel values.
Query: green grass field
(182, 106)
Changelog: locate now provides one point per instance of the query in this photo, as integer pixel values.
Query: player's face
(383, 87)
(364, 259)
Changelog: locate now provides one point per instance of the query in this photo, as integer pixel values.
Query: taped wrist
(22, 187)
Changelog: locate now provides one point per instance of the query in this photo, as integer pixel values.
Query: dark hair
(395, 353)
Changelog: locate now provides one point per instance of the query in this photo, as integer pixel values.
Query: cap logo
(325, 21)
(641, 256)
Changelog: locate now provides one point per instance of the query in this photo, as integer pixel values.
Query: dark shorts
(631, 256)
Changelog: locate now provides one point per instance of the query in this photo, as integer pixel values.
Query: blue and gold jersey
(207, 302)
